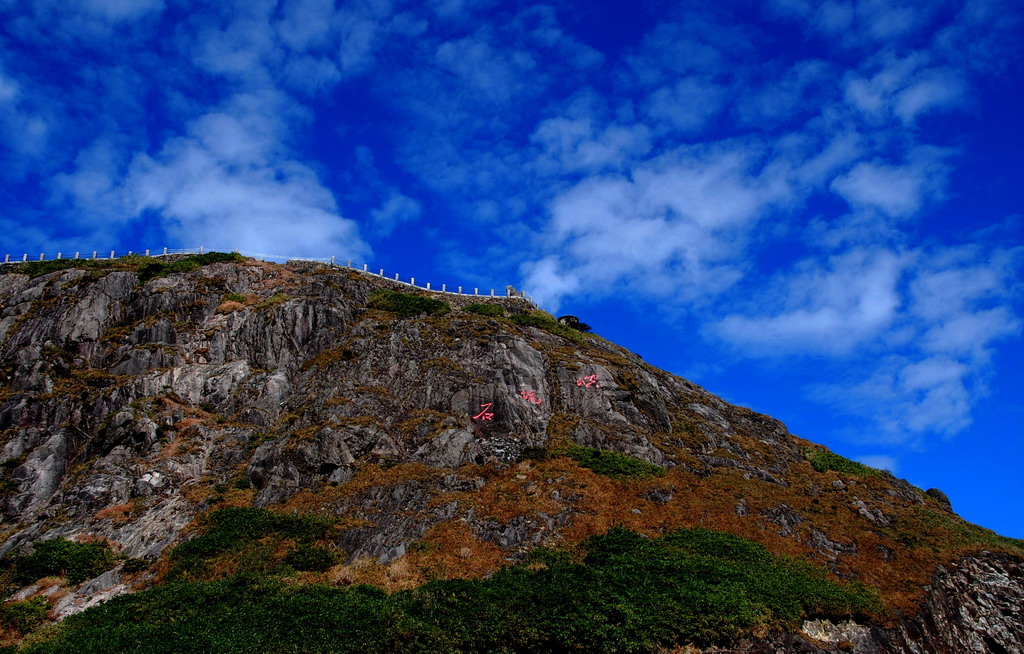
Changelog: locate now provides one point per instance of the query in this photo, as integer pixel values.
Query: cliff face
(129, 408)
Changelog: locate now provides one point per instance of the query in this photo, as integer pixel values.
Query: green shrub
(535, 454)
(24, 616)
(407, 305)
(160, 269)
(822, 460)
(235, 297)
(491, 310)
(548, 324)
(235, 528)
(613, 464)
(311, 558)
(272, 301)
(64, 558)
(630, 593)
(133, 565)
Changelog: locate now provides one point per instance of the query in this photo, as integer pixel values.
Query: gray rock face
(973, 606)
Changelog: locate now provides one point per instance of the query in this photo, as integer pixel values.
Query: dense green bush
(822, 460)
(492, 310)
(406, 304)
(629, 594)
(311, 558)
(613, 464)
(548, 324)
(160, 268)
(24, 616)
(64, 558)
(234, 528)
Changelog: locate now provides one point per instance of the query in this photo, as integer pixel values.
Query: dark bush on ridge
(613, 464)
(822, 460)
(547, 324)
(492, 310)
(407, 305)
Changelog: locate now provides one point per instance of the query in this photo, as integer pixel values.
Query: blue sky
(810, 208)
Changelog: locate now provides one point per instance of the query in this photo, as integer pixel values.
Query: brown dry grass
(598, 503)
(119, 514)
(230, 306)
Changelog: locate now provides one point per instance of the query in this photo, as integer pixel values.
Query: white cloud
(886, 21)
(897, 191)
(826, 307)
(938, 88)
(9, 89)
(915, 332)
(122, 10)
(786, 96)
(905, 88)
(495, 73)
(23, 129)
(230, 183)
(675, 227)
(396, 210)
(93, 186)
(576, 144)
(306, 24)
(833, 17)
(685, 106)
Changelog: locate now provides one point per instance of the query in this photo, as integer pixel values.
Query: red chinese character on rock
(530, 396)
(588, 381)
(485, 414)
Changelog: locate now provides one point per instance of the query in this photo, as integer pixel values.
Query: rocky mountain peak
(443, 436)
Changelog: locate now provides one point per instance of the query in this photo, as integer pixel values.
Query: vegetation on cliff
(618, 592)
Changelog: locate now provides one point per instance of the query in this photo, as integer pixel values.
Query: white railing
(332, 261)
